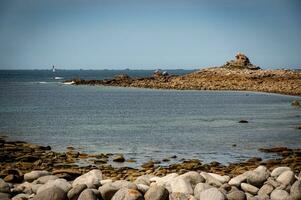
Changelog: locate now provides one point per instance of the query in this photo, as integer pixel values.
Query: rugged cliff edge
(239, 74)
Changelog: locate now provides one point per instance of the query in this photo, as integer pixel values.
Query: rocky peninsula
(30, 171)
(238, 75)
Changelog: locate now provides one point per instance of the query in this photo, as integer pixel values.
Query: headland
(236, 75)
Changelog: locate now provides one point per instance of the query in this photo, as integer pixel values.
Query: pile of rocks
(261, 184)
(241, 62)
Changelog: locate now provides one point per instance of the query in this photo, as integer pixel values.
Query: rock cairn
(260, 184)
(241, 62)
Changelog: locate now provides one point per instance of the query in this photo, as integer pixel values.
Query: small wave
(69, 83)
(42, 82)
(58, 78)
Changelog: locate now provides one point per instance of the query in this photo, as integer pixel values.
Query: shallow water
(146, 124)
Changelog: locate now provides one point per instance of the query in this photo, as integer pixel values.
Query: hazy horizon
(144, 34)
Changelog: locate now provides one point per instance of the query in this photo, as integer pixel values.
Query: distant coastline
(236, 75)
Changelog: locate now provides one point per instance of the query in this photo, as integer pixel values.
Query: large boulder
(31, 176)
(53, 193)
(257, 178)
(180, 185)
(127, 194)
(91, 179)
(87, 194)
(156, 192)
(108, 190)
(211, 194)
(279, 170)
(295, 191)
(44, 179)
(211, 180)
(74, 193)
(286, 177)
(200, 188)
(59, 183)
(279, 195)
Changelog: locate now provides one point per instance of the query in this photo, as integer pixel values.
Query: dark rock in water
(295, 103)
(241, 62)
(53, 193)
(243, 121)
(148, 164)
(118, 158)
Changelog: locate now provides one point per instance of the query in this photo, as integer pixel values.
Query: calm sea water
(143, 124)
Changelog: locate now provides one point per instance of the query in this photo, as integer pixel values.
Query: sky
(148, 34)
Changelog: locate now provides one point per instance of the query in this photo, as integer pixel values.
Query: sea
(143, 124)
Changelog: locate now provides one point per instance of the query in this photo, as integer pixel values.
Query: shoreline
(30, 171)
(27, 157)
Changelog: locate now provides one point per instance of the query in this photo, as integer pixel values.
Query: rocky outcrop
(239, 74)
(241, 62)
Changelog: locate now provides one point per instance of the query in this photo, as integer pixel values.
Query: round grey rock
(212, 194)
(74, 193)
(295, 191)
(265, 189)
(200, 188)
(53, 193)
(236, 195)
(249, 188)
(257, 178)
(44, 179)
(279, 195)
(107, 191)
(279, 170)
(33, 175)
(127, 194)
(156, 192)
(87, 194)
(91, 179)
(286, 177)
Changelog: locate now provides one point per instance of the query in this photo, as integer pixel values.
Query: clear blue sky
(147, 34)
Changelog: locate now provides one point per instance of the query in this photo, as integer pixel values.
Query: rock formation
(241, 62)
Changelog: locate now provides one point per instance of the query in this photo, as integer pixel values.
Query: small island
(238, 75)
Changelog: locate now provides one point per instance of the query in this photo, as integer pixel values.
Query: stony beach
(28, 169)
(237, 75)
